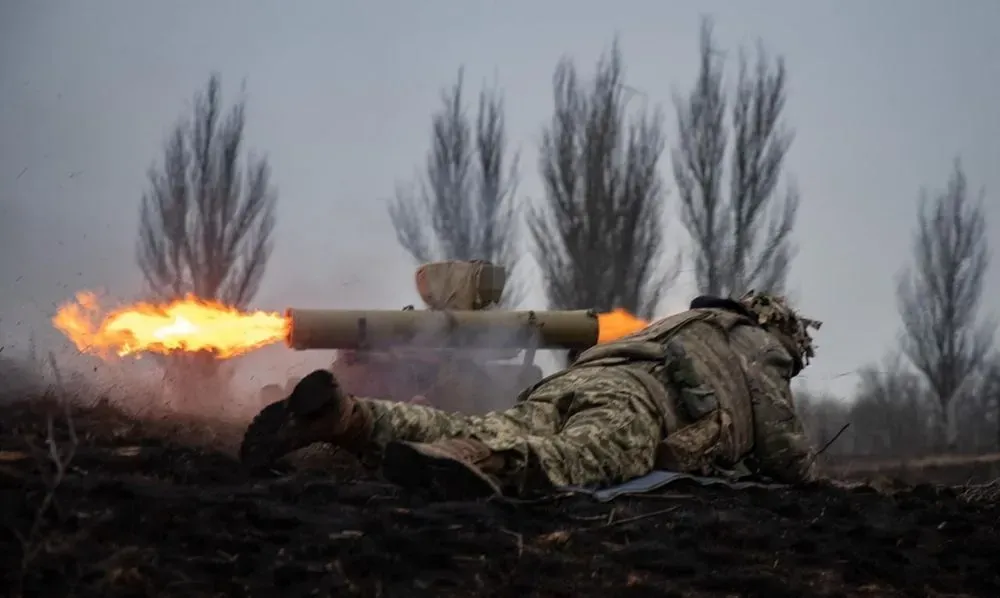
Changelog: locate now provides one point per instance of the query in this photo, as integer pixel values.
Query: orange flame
(616, 324)
(188, 324)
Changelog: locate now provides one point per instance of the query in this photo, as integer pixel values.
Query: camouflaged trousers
(591, 426)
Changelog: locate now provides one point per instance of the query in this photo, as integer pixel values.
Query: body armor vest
(686, 363)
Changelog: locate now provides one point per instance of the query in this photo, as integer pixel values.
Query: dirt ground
(941, 469)
(134, 514)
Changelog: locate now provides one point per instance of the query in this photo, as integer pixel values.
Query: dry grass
(988, 492)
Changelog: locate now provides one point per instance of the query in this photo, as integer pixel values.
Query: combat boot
(454, 469)
(317, 410)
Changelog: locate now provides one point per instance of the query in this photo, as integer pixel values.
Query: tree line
(598, 231)
(939, 389)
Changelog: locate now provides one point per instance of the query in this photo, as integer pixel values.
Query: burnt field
(160, 508)
(942, 469)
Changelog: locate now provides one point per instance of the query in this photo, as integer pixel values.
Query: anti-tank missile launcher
(492, 330)
(458, 354)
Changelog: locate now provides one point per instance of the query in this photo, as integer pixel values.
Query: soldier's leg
(411, 422)
(317, 410)
(588, 427)
(610, 435)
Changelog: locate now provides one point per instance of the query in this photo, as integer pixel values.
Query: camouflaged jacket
(722, 384)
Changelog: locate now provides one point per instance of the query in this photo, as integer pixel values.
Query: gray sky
(883, 96)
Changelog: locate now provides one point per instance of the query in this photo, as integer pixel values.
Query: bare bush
(741, 236)
(53, 463)
(599, 229)
(892, 415)
(823, 417)
(463, 207)
(992, 391)
(939, 296)
(978, 414)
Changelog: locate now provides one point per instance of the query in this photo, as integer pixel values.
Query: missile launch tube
(374, 329)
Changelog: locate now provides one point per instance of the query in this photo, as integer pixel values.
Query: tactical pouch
(697, 448)
(695, 400)
(690, 449)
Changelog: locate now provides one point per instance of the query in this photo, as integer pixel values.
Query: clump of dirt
(162, 508)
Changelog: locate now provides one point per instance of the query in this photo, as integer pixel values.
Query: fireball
(616, 324)
(189, 324)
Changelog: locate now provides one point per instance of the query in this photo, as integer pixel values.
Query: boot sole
(266, 437)
(312, 395)
(258, 446)
(411, 466)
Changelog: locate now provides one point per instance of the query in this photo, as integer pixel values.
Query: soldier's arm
(781, 448)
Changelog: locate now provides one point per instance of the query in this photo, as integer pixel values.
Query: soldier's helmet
(775, 315)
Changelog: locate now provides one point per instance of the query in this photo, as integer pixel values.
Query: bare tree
(940, 293)
(742, 239)
(599, 230)
(205, 222)
(463, 208)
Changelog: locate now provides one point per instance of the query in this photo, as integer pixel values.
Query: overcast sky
(883, 96)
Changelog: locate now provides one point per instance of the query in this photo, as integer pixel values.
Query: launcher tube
(373, 329)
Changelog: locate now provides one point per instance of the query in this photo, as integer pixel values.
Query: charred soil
(161, 508)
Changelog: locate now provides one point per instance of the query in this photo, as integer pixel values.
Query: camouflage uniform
(587, 426)
(704, 391)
